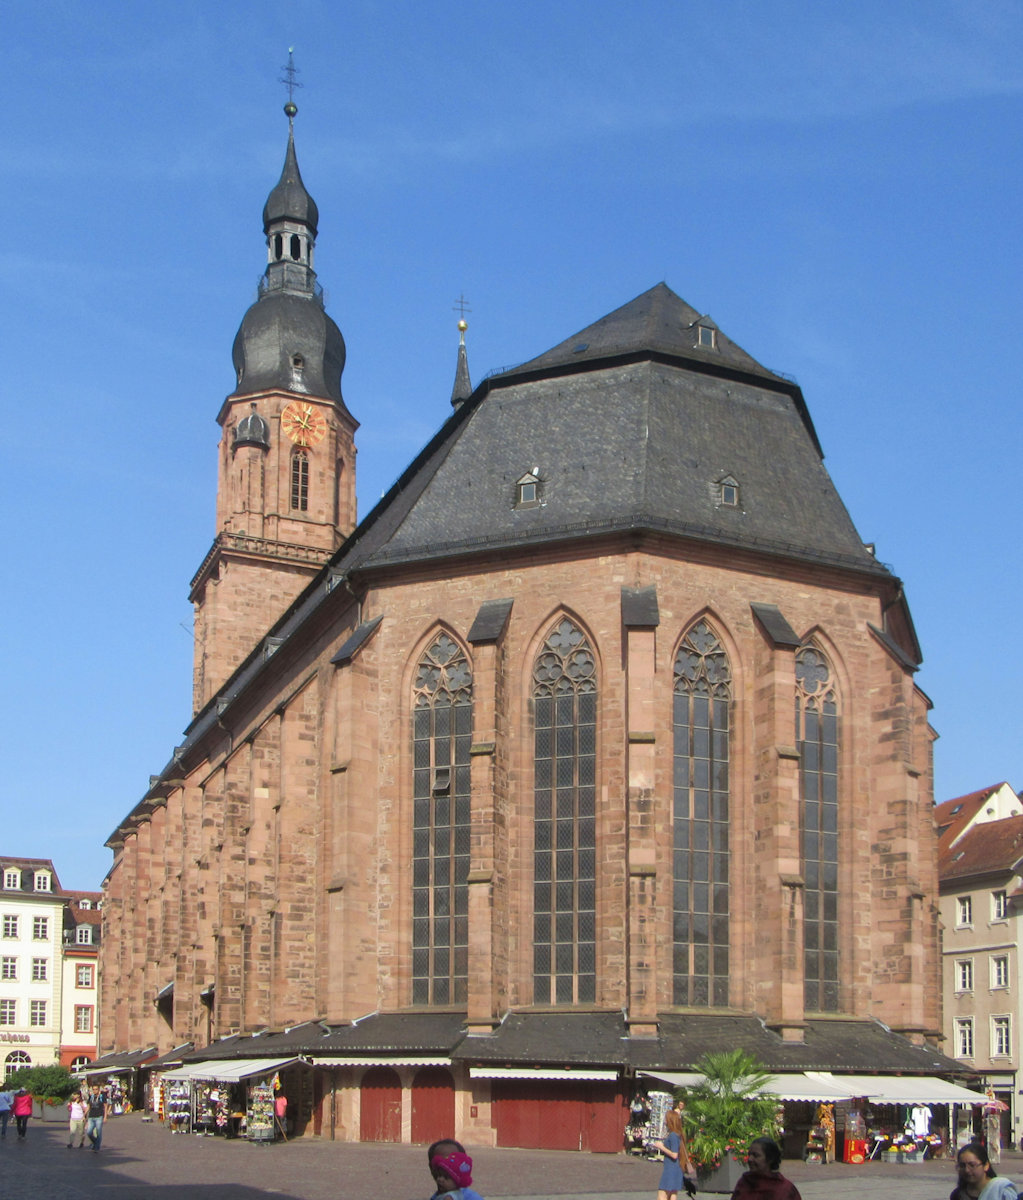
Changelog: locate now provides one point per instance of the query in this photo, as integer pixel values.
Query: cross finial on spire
(461, 306)
(290, 82)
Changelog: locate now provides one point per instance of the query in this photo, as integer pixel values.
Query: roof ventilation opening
(579, 347)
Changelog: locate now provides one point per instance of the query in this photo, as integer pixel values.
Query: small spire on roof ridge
(463, 385)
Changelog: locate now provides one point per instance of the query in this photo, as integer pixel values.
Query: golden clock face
(303, 423)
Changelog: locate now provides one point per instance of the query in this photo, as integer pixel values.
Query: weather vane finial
(290, 82)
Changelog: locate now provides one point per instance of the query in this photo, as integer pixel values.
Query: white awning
(321, 1061)
(105, 1070)
(794, 1086)
(567, 1073)
(903, 1089)
(808, 1086)
(230, 1070)
(186, 1071)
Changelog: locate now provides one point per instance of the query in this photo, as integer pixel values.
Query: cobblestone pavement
(145, 1160)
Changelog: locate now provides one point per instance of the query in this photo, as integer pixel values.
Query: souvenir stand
(820, 1143)
(228, 1098)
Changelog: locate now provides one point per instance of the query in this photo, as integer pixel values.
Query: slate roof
(990, 848)
(634, 432)
(829, 1045)
(123, 1059)
(374, 1035)
(596, 1039)
(563, 1039)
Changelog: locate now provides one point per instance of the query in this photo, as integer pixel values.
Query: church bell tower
(286, 478)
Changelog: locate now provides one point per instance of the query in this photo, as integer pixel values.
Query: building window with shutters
(817, 741)
(565, 819)
(441, 790)
(702, 716)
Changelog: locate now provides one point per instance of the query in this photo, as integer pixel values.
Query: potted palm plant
(724, 1113)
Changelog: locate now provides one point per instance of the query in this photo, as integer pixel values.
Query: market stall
(227, 1098)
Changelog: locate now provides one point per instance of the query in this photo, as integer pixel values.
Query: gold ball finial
(463, 325)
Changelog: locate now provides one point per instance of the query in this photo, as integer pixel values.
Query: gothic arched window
(565, 820)
(441, 740)
(702, 703)
(817, 741)
(300, 481)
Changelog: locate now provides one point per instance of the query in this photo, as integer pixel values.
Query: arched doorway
(380, 1106)
(433, 1105)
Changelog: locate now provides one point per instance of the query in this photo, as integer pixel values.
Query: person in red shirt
(763, 1180)
(22, 1111)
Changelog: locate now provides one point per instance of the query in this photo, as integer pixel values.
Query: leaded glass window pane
(442, 735)
(564, 833)
(702, 709)
(817, 740)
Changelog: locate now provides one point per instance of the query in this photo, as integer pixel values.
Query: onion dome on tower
(286, 340)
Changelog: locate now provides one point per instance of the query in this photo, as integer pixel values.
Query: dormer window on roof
(705, 337)
(42, 881)
(728, 492)
(528, 490)
(12, 878)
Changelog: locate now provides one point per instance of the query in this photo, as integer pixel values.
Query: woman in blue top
(676, 1157)
(977, 1176)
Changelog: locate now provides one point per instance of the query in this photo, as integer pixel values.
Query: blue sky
(838, 186)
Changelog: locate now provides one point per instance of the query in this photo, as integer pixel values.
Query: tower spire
(462, 389)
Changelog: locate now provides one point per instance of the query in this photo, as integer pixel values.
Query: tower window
(278, 247)
(300, 482)
(296, 247)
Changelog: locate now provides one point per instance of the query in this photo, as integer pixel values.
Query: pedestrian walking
(95, 1116)
(6, 1104)
(76, 1108)
(22, 1108)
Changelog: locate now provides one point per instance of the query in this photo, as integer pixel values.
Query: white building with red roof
(79, 1020)
(980, 862)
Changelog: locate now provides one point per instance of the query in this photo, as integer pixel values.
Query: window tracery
(441, 741)
(817, 741)
(702, 711)
(564, 828)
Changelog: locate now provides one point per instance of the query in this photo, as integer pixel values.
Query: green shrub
(725, 1112)
(52, 1081)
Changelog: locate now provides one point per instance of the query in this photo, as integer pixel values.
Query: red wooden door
(380, 1106)
(433, 1105)
(579, 1115)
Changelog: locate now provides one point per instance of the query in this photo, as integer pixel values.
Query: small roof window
(728, 492)
(529, 490)
(706, 337)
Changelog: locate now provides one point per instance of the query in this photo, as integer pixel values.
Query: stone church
(595, 745)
